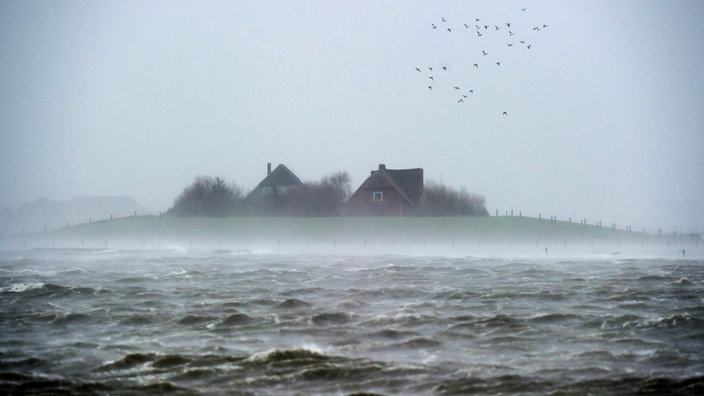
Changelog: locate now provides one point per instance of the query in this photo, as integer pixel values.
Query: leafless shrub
(324, 198)
(208, 196)
(441, 200)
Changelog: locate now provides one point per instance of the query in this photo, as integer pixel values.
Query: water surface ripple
(219, 322)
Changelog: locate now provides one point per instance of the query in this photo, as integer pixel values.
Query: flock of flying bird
(480, 29)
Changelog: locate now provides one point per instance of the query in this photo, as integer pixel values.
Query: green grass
(343, 228)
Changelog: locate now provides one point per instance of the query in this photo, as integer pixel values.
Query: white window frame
(378, 196)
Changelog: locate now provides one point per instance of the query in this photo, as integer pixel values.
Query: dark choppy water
(213, 322)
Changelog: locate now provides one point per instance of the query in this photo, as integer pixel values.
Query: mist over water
(212, 321)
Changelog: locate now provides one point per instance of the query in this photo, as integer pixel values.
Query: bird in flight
(431, 69)
(523, 9)
(430, 87)
(498, 63)
(444, 68)
(476, 65)
(431, 78)
(456, 87)
(529, 45)
(417, 69)
(485, 53)
(449, 29)
(508, 24)
(443, 19)
(434, 26)
(460, 101)
(479, 33)
(505, 113)
(510, 45)
(477, 19)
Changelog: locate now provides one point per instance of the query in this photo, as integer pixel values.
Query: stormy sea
(197, 321)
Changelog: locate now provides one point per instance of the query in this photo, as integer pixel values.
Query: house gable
(387, 192)
(277, 182)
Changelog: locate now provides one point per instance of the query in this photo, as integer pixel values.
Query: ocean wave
(22, 287)
(298, 355)
(138, 319)
(420, 343)
(550, 318)
(674, 321)
(331, 318)
(129, 361)
(393, 334)
(21, 364)
(236, 319)
(26, 384)
(293, 303)
(517, 384)
(41, 289)
(303, 371)
(634, 321)
(634, 385)
(190, 320)
(505, 384)
(620, 321)
(500, 321)
(72, 318)
(681, 282)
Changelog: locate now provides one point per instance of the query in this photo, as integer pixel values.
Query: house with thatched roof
(388, 192)
(276, 183)
(270, 192)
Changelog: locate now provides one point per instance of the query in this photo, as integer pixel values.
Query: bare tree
(208, 197)
(441, 200)
(326, 197)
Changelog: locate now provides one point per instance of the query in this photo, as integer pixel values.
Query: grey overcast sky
(604, 112)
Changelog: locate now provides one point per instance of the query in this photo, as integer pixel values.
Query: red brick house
(388, 192)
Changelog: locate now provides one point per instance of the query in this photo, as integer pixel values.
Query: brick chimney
(268, 168)
(382, 167)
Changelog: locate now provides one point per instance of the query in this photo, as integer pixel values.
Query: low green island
(360, 234)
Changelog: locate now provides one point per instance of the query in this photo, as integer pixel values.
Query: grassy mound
(342, 229)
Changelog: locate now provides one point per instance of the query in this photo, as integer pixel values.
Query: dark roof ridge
(280, 170)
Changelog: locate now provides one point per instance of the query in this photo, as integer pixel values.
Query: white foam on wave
(22, 287)
(304, 347)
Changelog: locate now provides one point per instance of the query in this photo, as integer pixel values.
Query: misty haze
(405, 197)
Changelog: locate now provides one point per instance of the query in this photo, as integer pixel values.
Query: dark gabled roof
(280, 176)
(408, 182)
